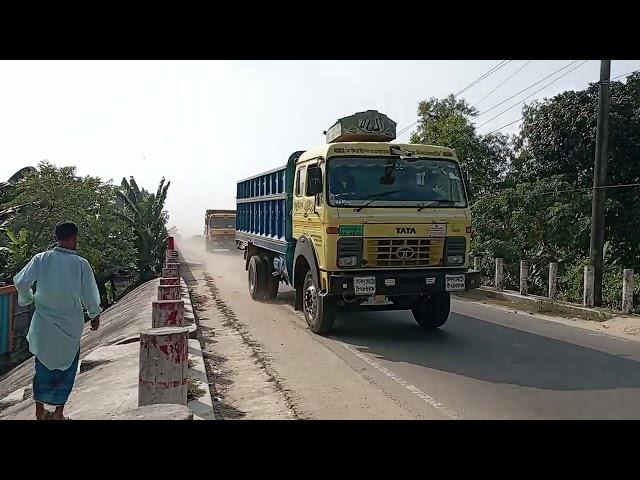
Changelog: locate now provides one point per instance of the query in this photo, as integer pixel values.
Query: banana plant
(145, 212)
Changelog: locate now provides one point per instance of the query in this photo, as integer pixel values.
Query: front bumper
(413, 282)
(223, 240)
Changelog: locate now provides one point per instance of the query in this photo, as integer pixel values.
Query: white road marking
(413, 389)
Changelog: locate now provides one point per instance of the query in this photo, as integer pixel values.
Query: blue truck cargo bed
(263, 209)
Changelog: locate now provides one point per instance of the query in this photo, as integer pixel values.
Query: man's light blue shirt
(65, 283)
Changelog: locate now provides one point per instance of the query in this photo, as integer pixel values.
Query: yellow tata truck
(220, 229)
(359, 223)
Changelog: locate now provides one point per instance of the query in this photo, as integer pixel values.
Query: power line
(503, 82)
(508, 124)
(530, 86)
(529, 96)
(516, 121)
(491, 71)
(494, 69)
(624, 74)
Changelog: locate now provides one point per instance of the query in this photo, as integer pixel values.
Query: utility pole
(600, 180)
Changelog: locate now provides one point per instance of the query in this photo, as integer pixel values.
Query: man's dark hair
(66, 231)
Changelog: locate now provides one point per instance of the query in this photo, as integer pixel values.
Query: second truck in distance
(359, 223)
(220, 229)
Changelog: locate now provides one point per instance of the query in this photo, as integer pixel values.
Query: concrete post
(524, 276)
(167, 313)
(170, 273)
(499, 282)
(171, 257)
(174, 265)
(553, 280)
(476, 263)
(170, 281)
(169, 292)
(164, 356)
(627, 290)
(588, 286)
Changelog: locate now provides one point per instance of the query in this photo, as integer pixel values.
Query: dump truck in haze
(220, 229)
(359, 223)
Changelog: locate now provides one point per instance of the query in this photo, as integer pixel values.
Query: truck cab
(373, 225)
(220, 229)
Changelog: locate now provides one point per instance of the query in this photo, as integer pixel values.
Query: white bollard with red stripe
(170, 273)
(169, 292)
(167, 313)
(164, 354)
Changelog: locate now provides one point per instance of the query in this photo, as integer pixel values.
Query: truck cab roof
(376, 149)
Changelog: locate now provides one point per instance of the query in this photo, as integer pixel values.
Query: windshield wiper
(374, 198)
(433, 202)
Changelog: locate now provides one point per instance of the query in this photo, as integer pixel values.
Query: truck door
(308, 214)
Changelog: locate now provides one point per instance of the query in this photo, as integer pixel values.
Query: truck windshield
(222, 222)
(394, 182)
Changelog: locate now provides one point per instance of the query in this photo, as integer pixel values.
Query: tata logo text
(406, 230)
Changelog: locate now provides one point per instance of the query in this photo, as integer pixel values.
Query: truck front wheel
(257, 278)
(319, 311)
(433, 311)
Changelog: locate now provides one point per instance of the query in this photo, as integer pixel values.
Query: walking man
(64, 284)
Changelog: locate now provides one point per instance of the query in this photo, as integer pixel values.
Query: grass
(193, 389)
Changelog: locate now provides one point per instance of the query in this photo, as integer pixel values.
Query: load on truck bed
(220, 229)
(359, 224)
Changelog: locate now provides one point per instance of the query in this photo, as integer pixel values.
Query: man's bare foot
(41, 412)
(59, 414)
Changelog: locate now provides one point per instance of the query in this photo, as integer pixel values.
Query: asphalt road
(484, 363)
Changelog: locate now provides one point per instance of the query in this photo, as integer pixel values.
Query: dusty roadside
(314, 377)
(241, 381)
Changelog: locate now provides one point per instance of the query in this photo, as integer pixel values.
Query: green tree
(52, 194)
(144, 212)
(8, 192)
(558, 140)
(448, 122)
(538, 221)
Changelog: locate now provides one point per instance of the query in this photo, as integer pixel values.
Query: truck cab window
(299, 182)
(314, 180)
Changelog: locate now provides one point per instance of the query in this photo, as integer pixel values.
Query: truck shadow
(482, 350)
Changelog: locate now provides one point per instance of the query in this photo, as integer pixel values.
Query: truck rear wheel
(433, 311)
(319, 311)
(273, 282)
(257, 278)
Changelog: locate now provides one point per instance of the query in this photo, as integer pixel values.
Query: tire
(319, 312)
(257, 278)
(273, 282)
(432, 312)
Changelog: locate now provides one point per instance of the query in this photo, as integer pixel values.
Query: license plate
(364, 285)
(455, 283)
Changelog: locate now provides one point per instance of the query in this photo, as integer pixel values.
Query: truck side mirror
(314, 179)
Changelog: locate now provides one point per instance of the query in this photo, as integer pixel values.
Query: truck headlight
(350, 261)
(455, 259)
(455, 248)
(349, 253)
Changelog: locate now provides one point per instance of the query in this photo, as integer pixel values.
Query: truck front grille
(404, 252)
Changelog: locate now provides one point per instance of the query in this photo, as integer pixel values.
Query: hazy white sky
(206, 124)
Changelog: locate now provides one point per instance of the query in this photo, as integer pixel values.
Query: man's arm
(89, 295)
(24, 279)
